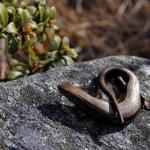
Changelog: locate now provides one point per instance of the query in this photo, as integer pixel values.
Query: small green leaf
(40, 2)
(73, 53)
(40, 27)
(55, 43)
(67, 60)
(53, 55)
(52, 13)
(3, 15)
(28, 16)
(13, 2)
(32, 10)
(25, 16)
(3, 35)
(13, 45)
(65, 41)
(33, 24)
(22, 15)
(20, 68)
(55, 25)
(14, 62)
(23, 4)
(51, 32)
(44, 37)
(11, 28)
(12, 11)
(12, 75)
(42, 13)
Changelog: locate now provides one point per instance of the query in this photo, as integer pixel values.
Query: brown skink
(119, 112)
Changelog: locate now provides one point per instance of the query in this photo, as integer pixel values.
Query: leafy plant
(29, 40)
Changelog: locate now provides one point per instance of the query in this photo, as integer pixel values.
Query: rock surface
(34, 115)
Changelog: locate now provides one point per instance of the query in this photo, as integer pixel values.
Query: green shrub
(29, 40)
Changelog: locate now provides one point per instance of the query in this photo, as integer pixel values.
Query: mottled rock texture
(34, 115)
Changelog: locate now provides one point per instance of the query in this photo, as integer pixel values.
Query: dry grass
(102, 28)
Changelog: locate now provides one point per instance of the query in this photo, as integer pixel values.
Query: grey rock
(34, 115)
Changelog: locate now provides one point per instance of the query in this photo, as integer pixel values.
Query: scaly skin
(126, 110)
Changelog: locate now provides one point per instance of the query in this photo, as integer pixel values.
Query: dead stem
(3, 57)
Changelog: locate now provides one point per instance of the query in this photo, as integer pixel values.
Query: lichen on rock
(35, 115)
